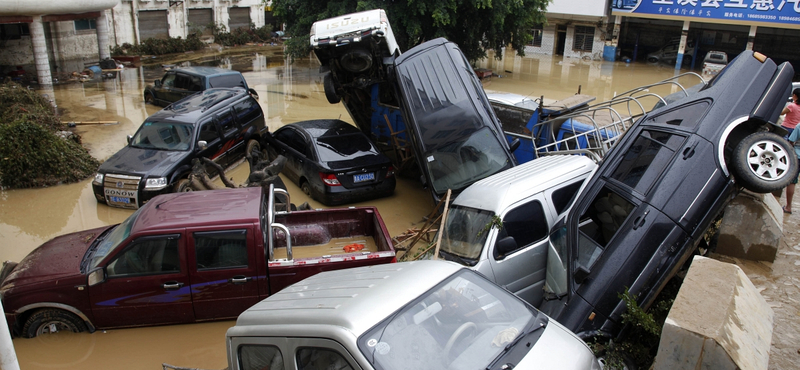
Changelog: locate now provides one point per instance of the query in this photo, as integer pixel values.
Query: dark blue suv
(179, 83)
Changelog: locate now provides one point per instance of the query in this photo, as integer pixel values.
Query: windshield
(464, 322)
(113, 239)
(465, 232)
(343, 147)
(458, 164)
(163, 136)
(556, 277)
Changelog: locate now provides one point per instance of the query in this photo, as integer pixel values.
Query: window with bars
(537, 35)
(584, 38)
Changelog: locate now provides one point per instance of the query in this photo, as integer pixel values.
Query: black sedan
(332, 161)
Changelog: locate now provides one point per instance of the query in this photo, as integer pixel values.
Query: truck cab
(498, 226)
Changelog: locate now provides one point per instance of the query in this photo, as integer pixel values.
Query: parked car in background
(645, 210)
(714, 62)
(332, 161)
(669, 52)
(221, 124)
(410, 315)
(352, 51)
(181, 82)
(456, 136)
(183, 258)
(498, 226)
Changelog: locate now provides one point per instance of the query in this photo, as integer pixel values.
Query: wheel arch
(737, 130)
(24, 313)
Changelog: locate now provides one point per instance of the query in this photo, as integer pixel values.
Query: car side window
(147, 256)
(182, 81)
(169, 80)
(260, 357)
(208, 132)
(220, 249)
(526, 223)
(293, 140)
(195, 84)
(227, 123)
(646, 159)
(600, 222)
(246, 111)
(564, 196)
(315, 358)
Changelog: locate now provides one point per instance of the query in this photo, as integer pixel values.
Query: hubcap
(768, 161)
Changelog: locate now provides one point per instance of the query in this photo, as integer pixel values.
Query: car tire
(330, 89)
(149, 98)
(52, 320)
(306, 188)
(183, 186)
(764, 162)
(254, 149)
(652, 60)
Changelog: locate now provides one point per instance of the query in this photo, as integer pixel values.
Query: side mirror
(157, 83)
(96, 276)
(202, 144)
(504, 246)
(253, 93)
(514, 145)
(129, 138)
(580, 274)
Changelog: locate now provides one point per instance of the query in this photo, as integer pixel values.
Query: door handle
(639, 221)
(172, 285)
(239, 279)
(689, 151)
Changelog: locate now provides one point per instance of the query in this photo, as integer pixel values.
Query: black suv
(645, 210)
(220, 124)
(179, 83)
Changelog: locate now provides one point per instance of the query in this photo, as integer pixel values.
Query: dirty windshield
(341, 147)
(112, 239)
(458, 164)
(163, 136)
(465, 233)
(464, 322)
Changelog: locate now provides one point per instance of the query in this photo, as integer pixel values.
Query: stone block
(718, 321)
(751, 228)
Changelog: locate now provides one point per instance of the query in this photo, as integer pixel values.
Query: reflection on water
(287, 93)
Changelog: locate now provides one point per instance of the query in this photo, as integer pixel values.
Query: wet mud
(287, 93)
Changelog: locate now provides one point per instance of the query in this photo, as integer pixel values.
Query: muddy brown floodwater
(287, 93)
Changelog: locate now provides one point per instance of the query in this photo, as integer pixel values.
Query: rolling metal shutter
(201, 19)
(153, 24)
(239, 18)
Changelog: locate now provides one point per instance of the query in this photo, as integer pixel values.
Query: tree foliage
(475, 25)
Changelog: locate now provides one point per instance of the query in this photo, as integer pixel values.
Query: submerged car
(410, 315)
(332, 161)
(219, 124)
(646, 209)
(181, 82)
(456, 136)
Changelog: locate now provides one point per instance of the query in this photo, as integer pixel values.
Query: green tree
(475, 25)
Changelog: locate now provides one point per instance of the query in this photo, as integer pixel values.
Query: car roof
(326, 127)
(355, 299)
(206, 71)
(495, 193)
(191, 108)
(200, 208)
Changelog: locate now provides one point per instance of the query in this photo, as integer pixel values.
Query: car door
(183, 86)
(222, 271)
(294, 148)
(232, 142)
(164, 91)
(208, 132)
(146, 284)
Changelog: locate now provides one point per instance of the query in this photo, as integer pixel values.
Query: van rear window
(231, 80)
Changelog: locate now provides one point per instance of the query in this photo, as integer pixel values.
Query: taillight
(329, 179)
(390, 172)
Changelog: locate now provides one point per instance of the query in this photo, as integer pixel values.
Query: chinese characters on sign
(773, 11)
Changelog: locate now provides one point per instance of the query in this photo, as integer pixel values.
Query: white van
(351, 50)
(498, 226)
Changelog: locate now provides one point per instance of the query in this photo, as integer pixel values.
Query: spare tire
(330, 89)
(356, 60)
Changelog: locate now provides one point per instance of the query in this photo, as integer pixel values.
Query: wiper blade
(534, 326)
(462, 260)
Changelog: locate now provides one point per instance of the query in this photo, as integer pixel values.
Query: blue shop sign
(772, 11)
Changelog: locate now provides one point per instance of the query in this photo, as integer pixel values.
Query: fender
(179, 173)
(60, 306)
(724, 138)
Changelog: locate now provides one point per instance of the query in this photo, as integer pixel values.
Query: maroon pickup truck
(185, 258)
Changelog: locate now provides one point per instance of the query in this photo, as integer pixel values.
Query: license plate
(364, 177)
(119, 199)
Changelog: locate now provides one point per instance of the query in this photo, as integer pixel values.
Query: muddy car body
(646, 209)
(456, 136)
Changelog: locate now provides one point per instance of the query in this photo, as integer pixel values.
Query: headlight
(156, 183)
(98, 179)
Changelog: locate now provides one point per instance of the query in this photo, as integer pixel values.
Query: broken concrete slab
(751, 228)
(718, 321)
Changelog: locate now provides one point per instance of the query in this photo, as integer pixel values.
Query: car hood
(137, 161)
(59, 258)
(558, 348)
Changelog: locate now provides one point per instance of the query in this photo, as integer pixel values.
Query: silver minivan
(410, 315)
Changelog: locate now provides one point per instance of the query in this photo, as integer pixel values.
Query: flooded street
(287, 93)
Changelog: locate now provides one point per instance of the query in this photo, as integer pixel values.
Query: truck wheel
(183, 186)
(356, 60)
(330, 89)
(764, 162)
(52, 320)
(652, 60)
